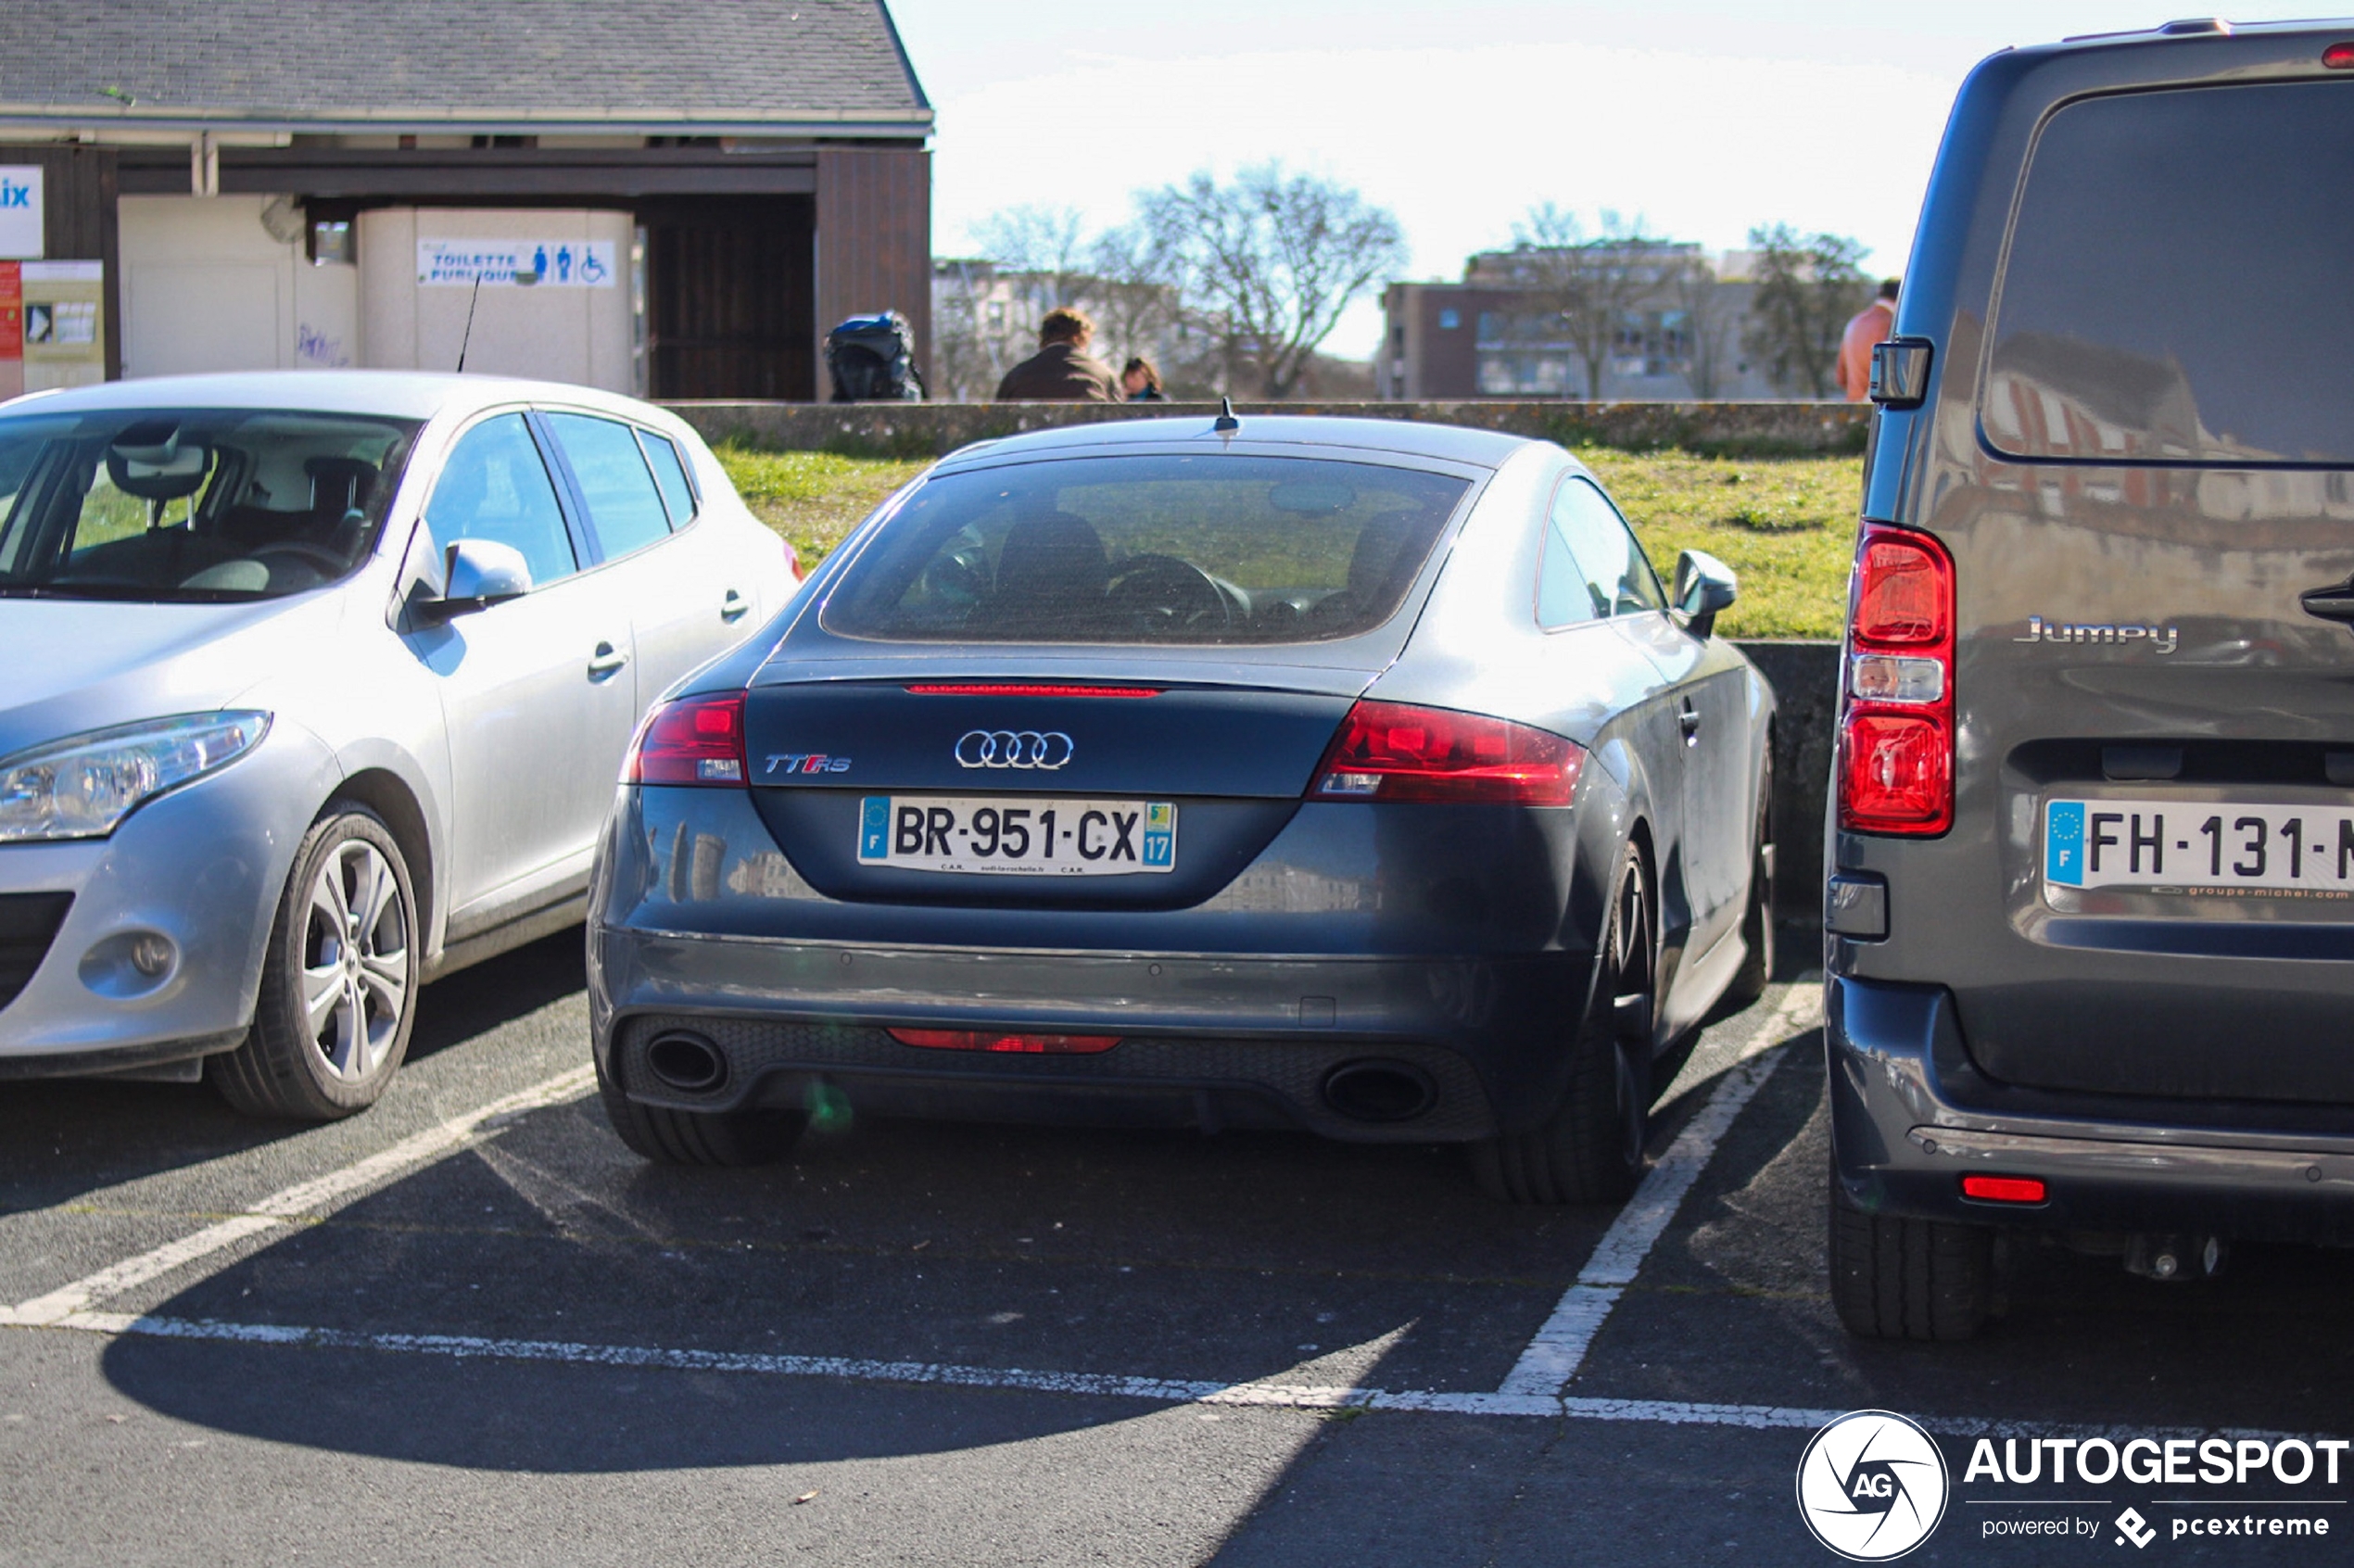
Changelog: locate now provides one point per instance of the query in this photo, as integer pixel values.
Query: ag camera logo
(1872, 1485)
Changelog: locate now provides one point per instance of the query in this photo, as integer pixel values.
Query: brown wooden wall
(874, 239)
(79, 222)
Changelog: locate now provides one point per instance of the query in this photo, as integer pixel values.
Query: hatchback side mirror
(479, 572)
(1703, 586)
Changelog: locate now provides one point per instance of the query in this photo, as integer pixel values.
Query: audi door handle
(1687, 720)
(606, 660)
(734, 606)
(2332, 603)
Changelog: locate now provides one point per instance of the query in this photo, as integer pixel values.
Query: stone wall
(922, 430)
(1805, 679)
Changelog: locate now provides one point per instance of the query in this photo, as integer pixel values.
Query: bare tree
(1710, 315)
(1133, 292)
(1268, 264)
(1807, 287)
(1049, 244)
(1588, 284)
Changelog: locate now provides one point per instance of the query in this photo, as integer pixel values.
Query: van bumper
(1911, 1118)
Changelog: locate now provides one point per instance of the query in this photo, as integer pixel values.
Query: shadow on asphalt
(60, 1138)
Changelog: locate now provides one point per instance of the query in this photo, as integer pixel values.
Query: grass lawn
(1787, 526)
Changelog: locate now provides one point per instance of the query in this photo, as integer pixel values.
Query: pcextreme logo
(1872, 1485)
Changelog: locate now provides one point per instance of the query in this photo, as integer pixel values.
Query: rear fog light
(992, 1039)
(2004, 1189)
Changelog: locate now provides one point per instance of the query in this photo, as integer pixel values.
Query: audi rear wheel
(1591, 1149)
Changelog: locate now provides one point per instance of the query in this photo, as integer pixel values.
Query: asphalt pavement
(469, 1327)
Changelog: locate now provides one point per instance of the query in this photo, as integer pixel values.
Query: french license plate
(2199, 847)
(1023, 837)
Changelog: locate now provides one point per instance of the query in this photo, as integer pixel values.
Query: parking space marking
(1553, 1357)
(1272, 1393)
(300, 1204)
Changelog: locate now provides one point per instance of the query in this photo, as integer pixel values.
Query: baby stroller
(873, 361)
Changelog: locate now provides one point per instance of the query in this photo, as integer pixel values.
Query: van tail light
(999, 1040)
(2004, 1189)
(1394, 751)
(693, 740)
(1896, 699)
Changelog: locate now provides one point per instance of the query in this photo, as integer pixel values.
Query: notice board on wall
(65, 324)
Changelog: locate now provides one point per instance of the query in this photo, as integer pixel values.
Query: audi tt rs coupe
(1352, 775)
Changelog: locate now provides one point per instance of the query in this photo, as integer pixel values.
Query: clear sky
(1706, 118)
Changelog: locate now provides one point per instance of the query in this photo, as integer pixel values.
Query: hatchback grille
(29, 923)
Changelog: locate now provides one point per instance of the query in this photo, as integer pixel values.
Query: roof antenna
(475, 300)
(1226, 424)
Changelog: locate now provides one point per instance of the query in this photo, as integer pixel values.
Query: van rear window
(2177, 282)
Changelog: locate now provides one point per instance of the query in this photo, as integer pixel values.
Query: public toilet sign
(20, 211)
(543, 263)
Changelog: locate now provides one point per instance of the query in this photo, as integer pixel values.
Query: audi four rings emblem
(1013, 748)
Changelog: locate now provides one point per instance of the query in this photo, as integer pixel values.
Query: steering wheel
(1165, 589)
(326, 561)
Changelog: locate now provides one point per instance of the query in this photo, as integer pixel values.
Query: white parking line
(1272, 1393)
(1559, 1350)
(300, 1204)
(1534, 1388)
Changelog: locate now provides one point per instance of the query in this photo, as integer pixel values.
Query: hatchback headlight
(81, 787)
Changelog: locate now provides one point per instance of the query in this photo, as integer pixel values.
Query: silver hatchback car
(317, 687)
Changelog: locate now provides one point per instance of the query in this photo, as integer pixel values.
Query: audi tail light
(1396, 751)
(693, 740)
(1002, 1042)
(1896, 725)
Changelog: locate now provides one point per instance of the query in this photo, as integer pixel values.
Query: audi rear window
(1129, 549)
(2176, 287)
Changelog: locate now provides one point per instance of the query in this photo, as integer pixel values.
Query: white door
(691, 597)
(539, 693)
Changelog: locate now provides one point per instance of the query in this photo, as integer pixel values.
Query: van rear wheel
(1909, 1279)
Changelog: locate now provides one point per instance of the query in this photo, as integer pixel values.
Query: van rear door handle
(2334, 603)
(606, 660)
(734, 606)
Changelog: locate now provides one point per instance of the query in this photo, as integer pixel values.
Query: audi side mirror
(1703, 586)
(476, 575)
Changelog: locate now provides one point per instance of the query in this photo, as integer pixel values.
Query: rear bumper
(1205, 1040)
(1910, 1118)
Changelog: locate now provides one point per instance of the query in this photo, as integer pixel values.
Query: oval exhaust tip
(687, 1062)
(1379, 1090)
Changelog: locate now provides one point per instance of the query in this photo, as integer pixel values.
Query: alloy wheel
(355, 960)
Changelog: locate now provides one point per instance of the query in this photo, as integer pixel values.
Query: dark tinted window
(1593, 569)
(619, 487)
(1214, 549)
(496, 487)
(2177, 282)
(160, 504)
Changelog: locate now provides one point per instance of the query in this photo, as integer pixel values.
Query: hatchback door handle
(734, 606)
(606, 660)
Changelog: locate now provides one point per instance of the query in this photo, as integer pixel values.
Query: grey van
(2090, 915)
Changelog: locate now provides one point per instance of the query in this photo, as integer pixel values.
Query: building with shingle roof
(676, 199)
